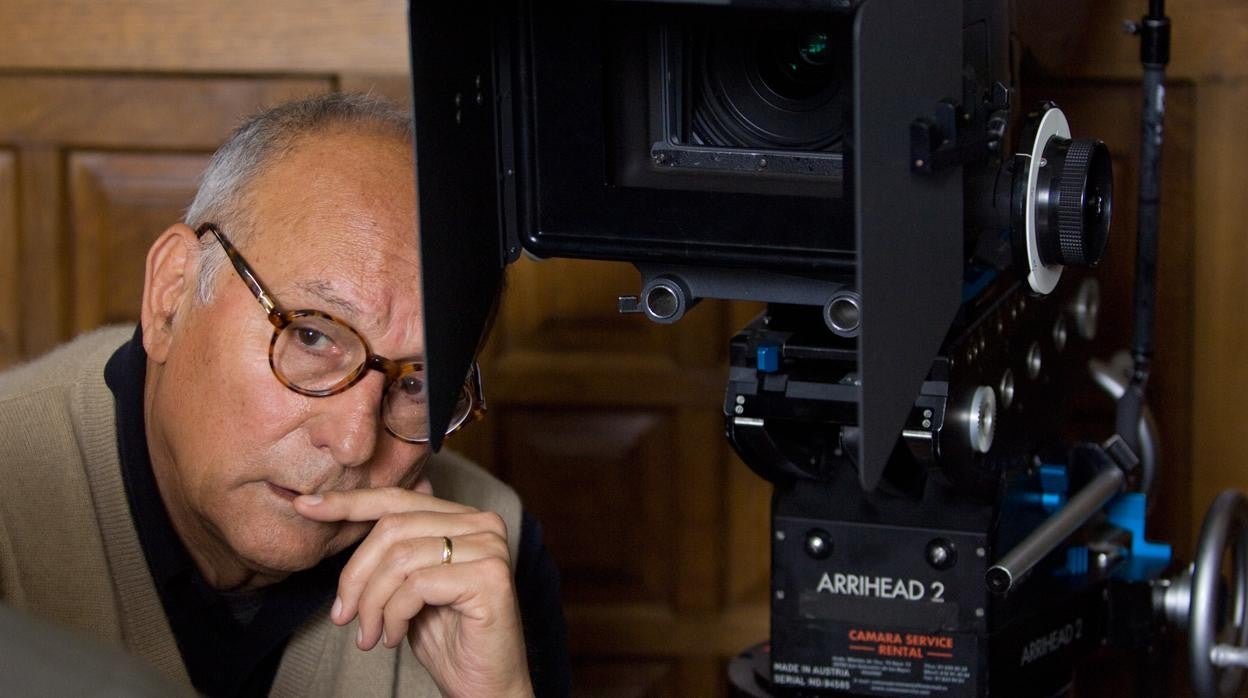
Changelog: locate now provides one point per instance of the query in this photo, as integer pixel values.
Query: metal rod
(1055, 530)
(1154, 32)
(1229, 655)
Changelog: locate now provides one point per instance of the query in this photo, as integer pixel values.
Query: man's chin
(284, 547)
(278, 561)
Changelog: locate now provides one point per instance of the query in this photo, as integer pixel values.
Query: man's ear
(172, 263)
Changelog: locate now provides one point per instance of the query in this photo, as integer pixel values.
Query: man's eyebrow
(326, 292)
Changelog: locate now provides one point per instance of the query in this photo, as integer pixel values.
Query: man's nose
(347, 423)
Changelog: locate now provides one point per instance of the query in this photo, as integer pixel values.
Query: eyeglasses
(315, 354)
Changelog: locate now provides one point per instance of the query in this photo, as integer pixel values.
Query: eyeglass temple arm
(249, 277)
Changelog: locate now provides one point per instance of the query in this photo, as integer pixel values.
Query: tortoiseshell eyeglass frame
(393, 370)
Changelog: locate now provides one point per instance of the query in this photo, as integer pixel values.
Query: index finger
(371, 504)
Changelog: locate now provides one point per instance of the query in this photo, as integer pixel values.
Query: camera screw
(762, 163)
(818, 544)
(941, 554)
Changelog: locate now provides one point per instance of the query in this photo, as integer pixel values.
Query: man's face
(334, 231)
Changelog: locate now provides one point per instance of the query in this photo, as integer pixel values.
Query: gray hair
(259, 142)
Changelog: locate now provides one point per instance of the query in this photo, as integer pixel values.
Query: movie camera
(919, 236)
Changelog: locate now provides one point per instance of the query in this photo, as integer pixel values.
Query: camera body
(864, 168)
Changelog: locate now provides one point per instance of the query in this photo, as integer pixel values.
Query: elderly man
(242, 493)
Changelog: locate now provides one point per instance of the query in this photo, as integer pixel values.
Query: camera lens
(782, 85)
(799, 66)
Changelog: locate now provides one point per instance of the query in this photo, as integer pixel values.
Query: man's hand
(462, 618)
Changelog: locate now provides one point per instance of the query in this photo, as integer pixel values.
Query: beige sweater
(69, 552)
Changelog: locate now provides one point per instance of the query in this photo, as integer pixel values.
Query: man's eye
(412, 387)
(313, 339)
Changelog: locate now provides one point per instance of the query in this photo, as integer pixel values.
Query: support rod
(1154, 33)
(1055, 530)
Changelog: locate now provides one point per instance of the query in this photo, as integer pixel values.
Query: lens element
(816, 48)
(797, 66)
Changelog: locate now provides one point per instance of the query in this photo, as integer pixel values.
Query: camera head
(862, 162)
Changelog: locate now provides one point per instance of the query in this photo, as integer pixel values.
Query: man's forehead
(337, 225)
(330, 170)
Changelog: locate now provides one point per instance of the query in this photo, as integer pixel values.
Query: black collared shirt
(232, 642)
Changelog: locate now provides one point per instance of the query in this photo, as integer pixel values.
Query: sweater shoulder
(41, 401)
(65, 366)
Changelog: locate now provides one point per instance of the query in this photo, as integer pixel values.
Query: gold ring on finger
(447, 549)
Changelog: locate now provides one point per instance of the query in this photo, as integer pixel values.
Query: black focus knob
(1074, 202)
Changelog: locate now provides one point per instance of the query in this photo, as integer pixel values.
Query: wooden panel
(698, 537)
(567, 305)
(560, 344)
(42, 250)
(1221, 332)
(1210, 37)
(635, 380)
(328, 36)
(646, 630)
(560, 340)
(44, 117)
(624, 679)
(281, 36)
(10, 342)
(124, 112)
(746, 573)
(602, 484)
(120, 202)
(272, 36)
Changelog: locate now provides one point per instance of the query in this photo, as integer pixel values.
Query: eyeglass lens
(317, 355)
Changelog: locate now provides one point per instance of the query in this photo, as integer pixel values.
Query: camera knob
(1074, 217)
